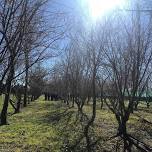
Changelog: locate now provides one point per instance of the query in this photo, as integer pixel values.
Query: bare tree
(128, 61)
(24, 37)
(36, 81)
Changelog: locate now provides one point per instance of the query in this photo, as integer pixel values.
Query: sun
(98, 8)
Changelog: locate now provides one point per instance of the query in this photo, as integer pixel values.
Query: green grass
(36, 128)
(52, 126)
(10, 108)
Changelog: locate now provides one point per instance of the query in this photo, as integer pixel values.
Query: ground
(52, 126)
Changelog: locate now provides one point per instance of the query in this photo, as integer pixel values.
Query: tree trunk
(26, 79)
(32, 98)
(101, 100)
(17, 110)
(1, 87)
(45, 94)
(136, 105)
(7, 95)
(122, 131)
(4, 110)
(73, 100)
(148, 104)
(90, 122)
(94, 95)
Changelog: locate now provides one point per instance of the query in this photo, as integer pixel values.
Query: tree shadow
(56, 114)
(80, 143)
(70, 125)
(56, 117)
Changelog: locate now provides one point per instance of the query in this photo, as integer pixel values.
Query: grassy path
(46, 126)
(34, 129)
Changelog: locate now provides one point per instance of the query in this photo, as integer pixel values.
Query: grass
(52, 126)
(10, 108)
(36, 128)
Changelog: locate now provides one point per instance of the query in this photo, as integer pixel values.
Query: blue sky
(71, 9)
(69, 6)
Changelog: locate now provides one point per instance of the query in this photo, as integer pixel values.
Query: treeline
(111, 60)
(26, 37)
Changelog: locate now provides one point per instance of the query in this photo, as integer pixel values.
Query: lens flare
(97, 8)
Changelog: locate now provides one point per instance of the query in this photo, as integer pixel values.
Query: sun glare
(97, 8)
